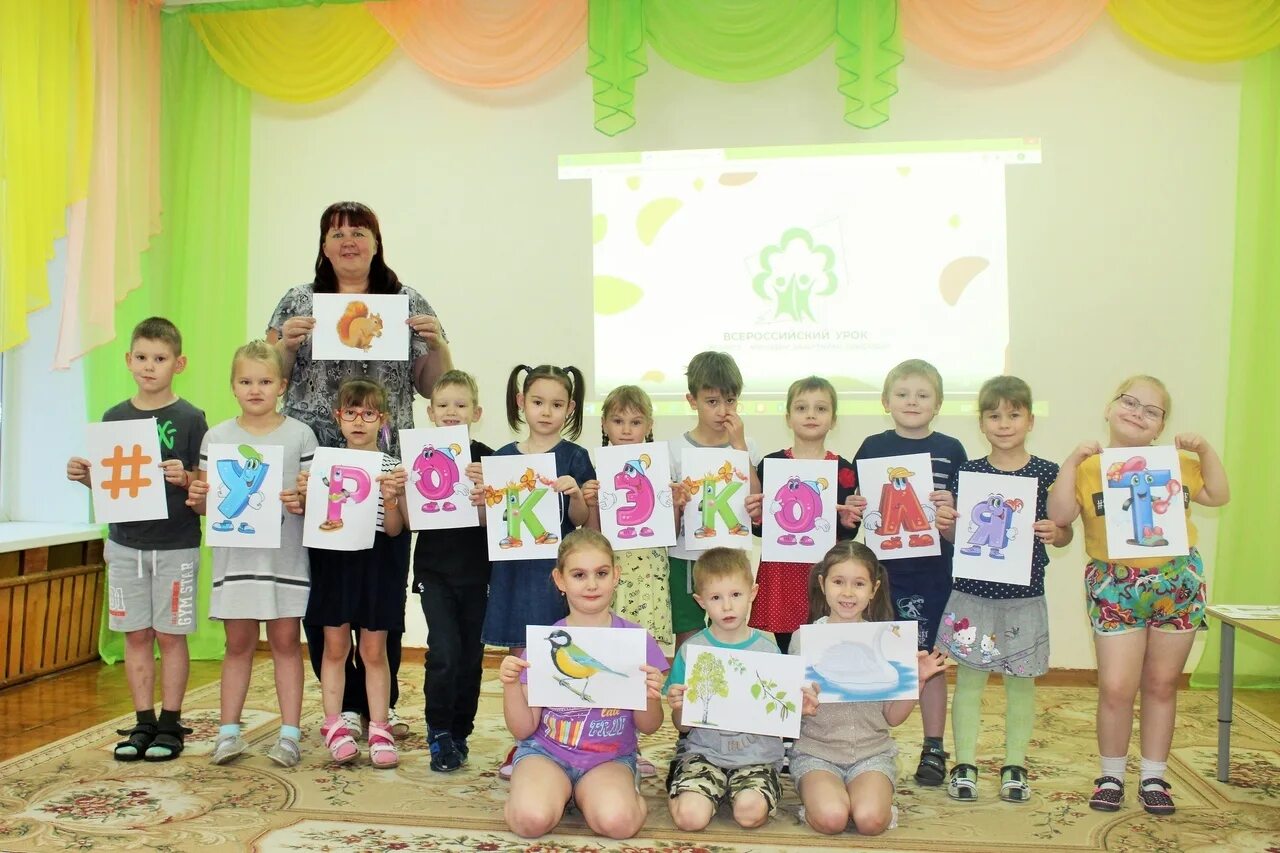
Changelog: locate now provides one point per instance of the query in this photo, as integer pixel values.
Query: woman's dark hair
(382, 279)
(879, 608)
(570, 377)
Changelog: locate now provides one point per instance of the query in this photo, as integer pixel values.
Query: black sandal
(138, 738)
(168, 742)
(932, 770)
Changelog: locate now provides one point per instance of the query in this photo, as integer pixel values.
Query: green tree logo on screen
(793, 271)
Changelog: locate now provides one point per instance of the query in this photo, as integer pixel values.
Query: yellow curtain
(1201, 30)
(485, 43)
(996, 34)
(111, 228)
(46, 129)
(301, 54)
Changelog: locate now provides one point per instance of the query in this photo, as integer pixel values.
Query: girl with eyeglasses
(362, 589)
(1145, 611)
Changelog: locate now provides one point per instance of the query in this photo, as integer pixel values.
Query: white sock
(1152, 769)
(1113, 766)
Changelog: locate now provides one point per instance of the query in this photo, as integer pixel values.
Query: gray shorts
(882, 762)
(151, 589)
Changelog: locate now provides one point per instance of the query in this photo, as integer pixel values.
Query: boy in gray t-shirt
(713, 764)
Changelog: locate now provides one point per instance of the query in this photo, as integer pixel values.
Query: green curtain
(743, 40)
(196, 271)
(1244, 571)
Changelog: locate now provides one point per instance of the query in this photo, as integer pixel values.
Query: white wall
(1120, 243)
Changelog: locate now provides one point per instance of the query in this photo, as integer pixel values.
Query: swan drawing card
(799, 516)
(635, 495)
(861, 661)
(1144, 504)
(360, 327)
(438, 494)
(576, 667)
(717, 481)
(522, 519)
(740, 691)
(899, 520)
(995, 533)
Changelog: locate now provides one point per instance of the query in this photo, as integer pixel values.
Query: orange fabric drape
(485, 43)
(996, 34)
(110, 229)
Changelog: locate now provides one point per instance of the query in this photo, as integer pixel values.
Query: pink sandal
(342, 746)
(382, 746)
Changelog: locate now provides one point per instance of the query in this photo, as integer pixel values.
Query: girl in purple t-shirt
(560, 749)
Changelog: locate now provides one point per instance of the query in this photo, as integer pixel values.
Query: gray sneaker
(286, 753)
(228, 749)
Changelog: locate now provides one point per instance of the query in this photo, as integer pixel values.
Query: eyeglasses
(1133, 404)
(367, 415)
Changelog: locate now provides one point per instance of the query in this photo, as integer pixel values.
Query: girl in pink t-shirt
(561, 749)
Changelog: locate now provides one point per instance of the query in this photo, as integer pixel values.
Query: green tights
(966, 713)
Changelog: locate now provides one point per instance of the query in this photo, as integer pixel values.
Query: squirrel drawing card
(361, 327)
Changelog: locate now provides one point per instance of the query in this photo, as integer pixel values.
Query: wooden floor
(56, 706)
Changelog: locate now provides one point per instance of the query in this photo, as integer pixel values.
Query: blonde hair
(460, 378)
(621, 399)
(1003, 389)
(582, 539)
(913, 367)
(718, 563)
(813, 383)
(258, 350)
(1123, 388)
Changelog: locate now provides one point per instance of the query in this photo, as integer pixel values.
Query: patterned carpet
(73, 796)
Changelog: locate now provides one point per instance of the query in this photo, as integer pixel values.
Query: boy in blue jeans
(152, 565)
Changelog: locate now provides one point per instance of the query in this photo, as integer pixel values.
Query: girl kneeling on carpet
(560, 750)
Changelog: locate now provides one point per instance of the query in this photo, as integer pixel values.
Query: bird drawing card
(1144, 503)
(244, 508)
(124, 468)
(860, 661)
(522, 519)
(716, 481)
(740, 691)
(576, 667)
(899, 520)
(635, 495)
(360, 327)
(799, 516)
(995, 533)
(438, 494)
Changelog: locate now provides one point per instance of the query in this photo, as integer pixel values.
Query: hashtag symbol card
(124, 465)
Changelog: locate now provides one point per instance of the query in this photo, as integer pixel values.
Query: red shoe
(919, 540)
(891, 543)
(504, 772)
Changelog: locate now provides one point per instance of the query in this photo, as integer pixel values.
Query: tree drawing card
(1144, 504)
(243, 506)
(995, 533)
(575, 667)
(438, 494)
(716, 481)
(799, 514)
(861, 661)
(124, 468)
(360, 327)
(899, 520)
(740, 691)
(635, 495)
(342, 499)
(522, 515)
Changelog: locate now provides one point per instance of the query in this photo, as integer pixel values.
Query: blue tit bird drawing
(573, 662)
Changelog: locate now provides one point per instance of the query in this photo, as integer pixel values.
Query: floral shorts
(1170, 597)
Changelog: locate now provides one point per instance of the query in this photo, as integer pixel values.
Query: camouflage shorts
(695, 773)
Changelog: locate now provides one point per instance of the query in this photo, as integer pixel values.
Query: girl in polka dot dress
(997, 627)
(782, 604)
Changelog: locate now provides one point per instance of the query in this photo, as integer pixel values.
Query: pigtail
(514, 416)
(577, 393)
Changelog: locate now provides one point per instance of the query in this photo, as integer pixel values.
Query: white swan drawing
(859, 666)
